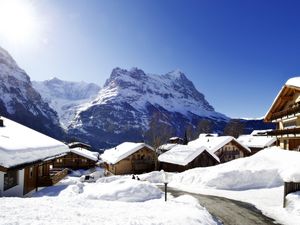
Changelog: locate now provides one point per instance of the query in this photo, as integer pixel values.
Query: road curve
(227, 211)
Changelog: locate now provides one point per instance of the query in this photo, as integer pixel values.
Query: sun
(17, 20)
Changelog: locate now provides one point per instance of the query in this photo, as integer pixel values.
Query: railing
(289, 187)
(55, 176)
(290, 111)
(292, 131)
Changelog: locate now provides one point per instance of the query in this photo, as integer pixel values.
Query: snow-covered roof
(294, 81)
(85, 153)
(256, 141)
(167, 147)
(21, 145)
(183, 155)
(174, 138)
(214, 143)
(260, 132)
(121, 151)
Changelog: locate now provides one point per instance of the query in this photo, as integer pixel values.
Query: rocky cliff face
(20, 102)
(66, 97)
(131, 99)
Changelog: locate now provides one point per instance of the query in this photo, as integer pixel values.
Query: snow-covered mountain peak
(177, 74)
(9, 68)
(66, 97)
(172, 91)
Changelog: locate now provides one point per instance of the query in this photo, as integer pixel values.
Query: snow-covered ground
(257, 180)
(114, 200)
(121, 200)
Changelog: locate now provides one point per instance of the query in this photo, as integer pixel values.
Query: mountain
(66, 97)
(131, 99)
(20, 102)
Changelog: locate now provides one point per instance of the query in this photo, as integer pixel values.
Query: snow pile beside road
(110, 201)
(123, 190)
(293, 203)
(262, 170)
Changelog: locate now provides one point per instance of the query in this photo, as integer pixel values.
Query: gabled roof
(256, 141)
(183, 155)
(121, 151)
(85, 153)
(214, 143)
(21, 145)
(293, 84)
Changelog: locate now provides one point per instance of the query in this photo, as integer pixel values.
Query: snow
(166, 147)
(121, 151)
(183, 155)
(122, 201)
(66, 97)
(257, 180)
(213, 143)
(85, 153)
(295, 81)
(20, 144)
(256, 141)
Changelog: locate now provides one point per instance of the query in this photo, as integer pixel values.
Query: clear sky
(237, 53)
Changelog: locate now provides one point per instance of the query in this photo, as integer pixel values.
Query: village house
(226, 148)
(257, 140)
(285, 112)
(129, 158)
(26, 158)
(78, 157)
(184, 157)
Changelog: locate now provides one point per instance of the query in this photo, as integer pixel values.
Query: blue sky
(238, 53)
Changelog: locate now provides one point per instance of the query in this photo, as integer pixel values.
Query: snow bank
(78, 211)
(123, 190)
(262, 170)
(293, 203)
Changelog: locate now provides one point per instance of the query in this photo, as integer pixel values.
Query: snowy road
(230, 212)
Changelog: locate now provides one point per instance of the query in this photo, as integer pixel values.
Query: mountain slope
(23, 104)
(66, 97)
(130, 100)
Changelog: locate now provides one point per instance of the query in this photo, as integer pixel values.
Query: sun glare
(17, 22)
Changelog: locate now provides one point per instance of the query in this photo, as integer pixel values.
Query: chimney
(1, 122)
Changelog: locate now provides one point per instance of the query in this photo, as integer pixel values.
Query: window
(10, 179)
(84, 160)
(30, 172)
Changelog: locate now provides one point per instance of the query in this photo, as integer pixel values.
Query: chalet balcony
(286, 132)
(286, 113)
(54, 177)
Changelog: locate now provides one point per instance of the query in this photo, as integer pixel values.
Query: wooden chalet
(77, 158)
(285, 112)
(129, 158)
(226, 148)
(183, 157)
(26, 159)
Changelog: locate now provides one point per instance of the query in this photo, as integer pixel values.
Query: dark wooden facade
(203, 160)
(73, 161)
(41, 175)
